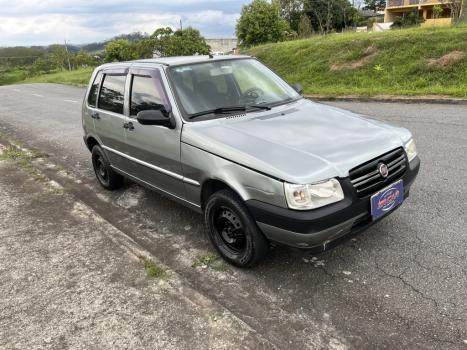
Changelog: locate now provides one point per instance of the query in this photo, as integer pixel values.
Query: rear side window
(146, 93)
(94, 90)
(112, 93)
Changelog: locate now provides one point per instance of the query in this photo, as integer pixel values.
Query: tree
(463, 13)
(456, 7)
(291, 11)
(59, 56)
(163, 42)
(119, 50)
(437, 11)
(83, 59)
(260, 22)
(330, 15)
(143, 48)
(304, 27)
(42, 65)
(182, 42)
(408, 19)
(375, 5)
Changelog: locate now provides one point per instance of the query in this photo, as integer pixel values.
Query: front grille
(366, 178)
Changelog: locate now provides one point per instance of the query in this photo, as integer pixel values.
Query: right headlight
(305, 197)
(410, 149)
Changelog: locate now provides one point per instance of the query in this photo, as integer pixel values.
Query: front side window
(146, 93)
(94, 90)
(208, 86)
(112, 93)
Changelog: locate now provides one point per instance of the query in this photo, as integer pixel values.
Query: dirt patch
(370, 53)
(448, 59)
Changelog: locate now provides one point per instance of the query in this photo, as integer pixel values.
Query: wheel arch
(91, 141)
(211, 186)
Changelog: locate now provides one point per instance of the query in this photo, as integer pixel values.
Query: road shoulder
(70, 279)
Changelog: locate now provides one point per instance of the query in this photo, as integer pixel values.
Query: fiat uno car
(229, 138)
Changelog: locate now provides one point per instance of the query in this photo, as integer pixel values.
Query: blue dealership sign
(387, 199)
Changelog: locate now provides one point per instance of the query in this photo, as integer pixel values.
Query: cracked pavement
(400, 284)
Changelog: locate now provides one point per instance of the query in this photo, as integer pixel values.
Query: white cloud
(213, 17)
(40, 22)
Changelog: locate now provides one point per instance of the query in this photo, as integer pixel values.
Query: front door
(154, 151)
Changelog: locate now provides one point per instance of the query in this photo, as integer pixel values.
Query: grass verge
(397, 62)
(79, 77)
(24, 159)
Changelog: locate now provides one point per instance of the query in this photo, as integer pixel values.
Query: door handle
(128, 126)
(95, 115)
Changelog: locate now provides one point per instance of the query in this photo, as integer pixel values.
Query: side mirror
(156, 117)
(298, 87)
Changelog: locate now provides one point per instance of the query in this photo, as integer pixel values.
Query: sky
(44, 22)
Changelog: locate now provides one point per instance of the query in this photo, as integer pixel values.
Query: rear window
(146, 93)
(112, 93)
(94, 90)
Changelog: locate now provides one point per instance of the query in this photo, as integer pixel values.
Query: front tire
(106, 176)
(232, 230)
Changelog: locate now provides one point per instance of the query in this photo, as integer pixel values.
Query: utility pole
(67, 56)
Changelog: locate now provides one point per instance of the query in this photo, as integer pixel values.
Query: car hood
(302, 142)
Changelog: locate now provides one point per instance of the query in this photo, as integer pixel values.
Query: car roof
(177, 60)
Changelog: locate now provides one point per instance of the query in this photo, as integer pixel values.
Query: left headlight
(410, 149)
(305, 197)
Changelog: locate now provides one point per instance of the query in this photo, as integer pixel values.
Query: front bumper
(319, 227)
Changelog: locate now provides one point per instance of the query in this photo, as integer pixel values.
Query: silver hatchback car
(229, 138)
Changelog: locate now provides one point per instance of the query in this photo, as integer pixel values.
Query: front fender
(201, 166)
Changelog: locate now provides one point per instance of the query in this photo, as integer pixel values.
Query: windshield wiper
(222, 110)
(266, 108)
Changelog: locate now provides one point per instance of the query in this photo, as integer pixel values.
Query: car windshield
(210, 89)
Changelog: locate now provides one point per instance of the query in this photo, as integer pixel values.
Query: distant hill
(39, 51)
(21, 51)
(99, 46)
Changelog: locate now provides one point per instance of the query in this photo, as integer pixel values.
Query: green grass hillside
(77, 77)
(403, 62)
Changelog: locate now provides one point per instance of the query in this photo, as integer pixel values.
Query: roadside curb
(390, 99)
(187, 291)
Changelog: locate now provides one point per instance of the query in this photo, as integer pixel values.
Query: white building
(222, 46)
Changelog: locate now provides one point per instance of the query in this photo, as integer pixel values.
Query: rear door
(154, 151)
(109, 117)
(90, 104)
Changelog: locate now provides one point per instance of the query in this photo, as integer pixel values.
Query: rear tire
(106, 176)
(232, 230)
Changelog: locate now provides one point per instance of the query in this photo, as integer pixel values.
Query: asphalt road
(400, 284)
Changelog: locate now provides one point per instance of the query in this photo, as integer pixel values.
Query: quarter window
(112, 93)
(146, 93)
(94, 90)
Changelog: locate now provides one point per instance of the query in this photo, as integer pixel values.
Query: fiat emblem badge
(383, 170)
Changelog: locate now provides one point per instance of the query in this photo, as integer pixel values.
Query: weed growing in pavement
(152, 269)
(15, 153)
(217, 317)
(24, 159)
(212, 261)
(11, 153)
